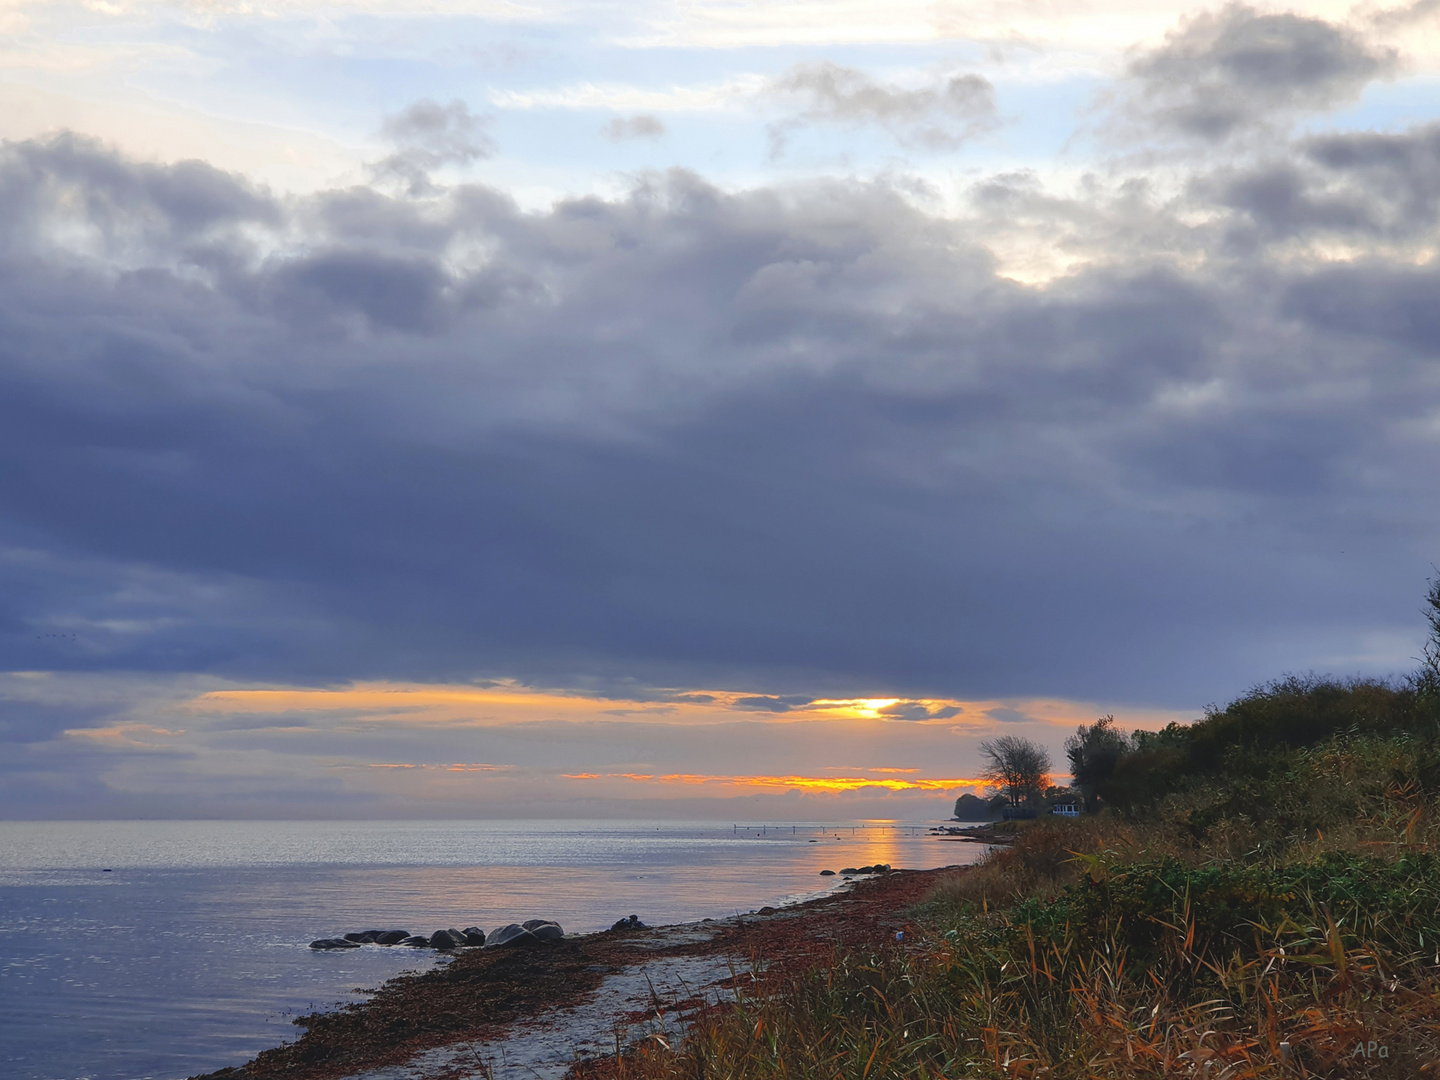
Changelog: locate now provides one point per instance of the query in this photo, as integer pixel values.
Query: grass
(1276, 920)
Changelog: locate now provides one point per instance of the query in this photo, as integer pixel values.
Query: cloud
(940, 116)
(1007, 714)
(134, 213)
(1225, 72)
(648, 99)
(1346, 188)
(443, 134)
(825, 784)
(803, 440)
(428, 136)
(641, 126)
(770, 703)
(184, 746)
(920, 710)
(1405, 15)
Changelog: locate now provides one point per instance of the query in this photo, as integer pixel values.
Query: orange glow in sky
(798, 783)
(510, 702)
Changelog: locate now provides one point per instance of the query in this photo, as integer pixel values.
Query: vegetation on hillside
(1256, 895)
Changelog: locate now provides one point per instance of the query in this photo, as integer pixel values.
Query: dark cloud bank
(794, 441)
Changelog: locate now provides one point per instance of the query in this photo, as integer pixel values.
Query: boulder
(441, 939)
(417, 941)
(849, 870)
(364, 937)
(866, 870)
(391, 937)
(632, 923)
(509, 937)
(531, 932)
(827, 873)
(474, 935)
(334, 943)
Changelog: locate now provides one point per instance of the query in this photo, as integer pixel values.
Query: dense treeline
(1252, 742)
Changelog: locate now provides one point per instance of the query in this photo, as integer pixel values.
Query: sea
(155, 950)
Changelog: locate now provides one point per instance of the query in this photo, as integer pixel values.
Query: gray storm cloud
(798, 440)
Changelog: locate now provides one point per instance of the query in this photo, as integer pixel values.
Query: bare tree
(1018, 767)
(1427, 679)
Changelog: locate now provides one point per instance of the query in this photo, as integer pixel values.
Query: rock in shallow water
(334, 943)
(827, 873)
(474, 935)
(511, 935)
(531, 932)
(391, 937)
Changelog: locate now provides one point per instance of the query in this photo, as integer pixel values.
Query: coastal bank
(560, 1006)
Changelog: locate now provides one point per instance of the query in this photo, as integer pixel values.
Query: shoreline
(539, 1012)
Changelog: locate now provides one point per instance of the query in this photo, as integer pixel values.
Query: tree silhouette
(1094, 750)
(1018, 767)
(1427, 679)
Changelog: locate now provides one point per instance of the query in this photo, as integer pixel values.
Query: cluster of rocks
(531, 932)
(849, 871)
(632, 923)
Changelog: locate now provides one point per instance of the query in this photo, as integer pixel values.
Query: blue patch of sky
(340, 78)
(1037, 125)
(1040, 119)
(1384, 106)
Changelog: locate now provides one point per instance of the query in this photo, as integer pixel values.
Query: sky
(693, 408)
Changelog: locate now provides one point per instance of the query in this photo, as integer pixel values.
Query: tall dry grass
(962, 1008)
(1040, 862)
(1286, 926)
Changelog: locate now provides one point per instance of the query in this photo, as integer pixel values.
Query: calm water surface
(191, 953)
